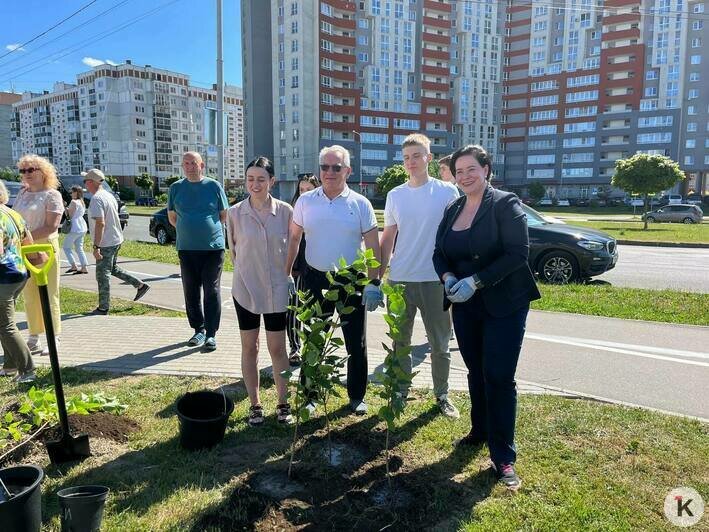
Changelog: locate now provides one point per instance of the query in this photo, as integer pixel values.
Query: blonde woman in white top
(258, 241)
(41, 205)
(75, 237)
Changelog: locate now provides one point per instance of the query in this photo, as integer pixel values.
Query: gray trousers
(104, 269)
(427, 297)
(16, 354)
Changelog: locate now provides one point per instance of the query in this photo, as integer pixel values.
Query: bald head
(192, 165)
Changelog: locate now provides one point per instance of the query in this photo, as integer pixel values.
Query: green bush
(161, 198)
(127, 193)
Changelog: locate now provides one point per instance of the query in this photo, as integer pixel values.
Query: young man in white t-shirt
(412, 214)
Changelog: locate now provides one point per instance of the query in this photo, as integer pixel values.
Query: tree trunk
(647, 209)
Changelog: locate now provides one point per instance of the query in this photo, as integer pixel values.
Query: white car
(674, 199)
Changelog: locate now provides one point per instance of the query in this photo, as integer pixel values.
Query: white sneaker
(45, 349)
(25, 378)
(448, 409)
(34, 344)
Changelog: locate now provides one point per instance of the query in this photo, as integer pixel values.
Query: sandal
(71, 270)
(256, 416)
(283, 414)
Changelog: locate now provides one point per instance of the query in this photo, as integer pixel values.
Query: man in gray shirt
(105, 230)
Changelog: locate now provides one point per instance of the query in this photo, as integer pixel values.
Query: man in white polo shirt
(335, 221)
(412, 214)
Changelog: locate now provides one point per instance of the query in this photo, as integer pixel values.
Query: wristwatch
(478, 283)
(96, 247)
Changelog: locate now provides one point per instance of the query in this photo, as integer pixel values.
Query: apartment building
(128, 120)
(364, 75)
(6, 118)
(586, 83)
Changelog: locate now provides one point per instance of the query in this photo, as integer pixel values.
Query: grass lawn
(81, 302)
(142, 209)
(584, 465)
(668, 306)
(156, 252)
(665, 232)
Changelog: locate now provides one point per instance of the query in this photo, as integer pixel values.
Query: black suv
(68, 181)
(561, 253)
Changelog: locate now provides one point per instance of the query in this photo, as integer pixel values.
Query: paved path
(654, 365)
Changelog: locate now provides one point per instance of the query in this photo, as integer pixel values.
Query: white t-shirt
(104, 205)
(417, 212)
(333, 228)
(78, 224)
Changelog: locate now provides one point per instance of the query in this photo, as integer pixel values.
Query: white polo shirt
(333, 228)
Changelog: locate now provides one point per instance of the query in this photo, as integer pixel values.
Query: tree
(9, 174)
(144, 182)
(434, 169)
(646, 175)
(536, 191)
(392, 177)
(170, 180)
(112, 182)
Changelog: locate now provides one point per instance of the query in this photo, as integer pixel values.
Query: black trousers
(354, 327)
(201, 275)
(490, 347)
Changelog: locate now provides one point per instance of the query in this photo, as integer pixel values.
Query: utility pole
(359, 159)
(220, 96)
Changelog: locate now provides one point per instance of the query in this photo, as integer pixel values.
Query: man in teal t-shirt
(197, 206)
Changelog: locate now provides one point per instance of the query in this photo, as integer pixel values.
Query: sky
(178, 35)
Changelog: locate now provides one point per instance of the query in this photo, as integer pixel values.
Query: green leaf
(9, 417)
(332, 295)
(347, 310)
(342, 263)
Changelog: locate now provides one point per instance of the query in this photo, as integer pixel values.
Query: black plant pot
(22, 512)
(82, 508)
(203, 417)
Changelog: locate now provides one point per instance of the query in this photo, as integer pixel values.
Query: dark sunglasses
(27, 170)
(335, 167)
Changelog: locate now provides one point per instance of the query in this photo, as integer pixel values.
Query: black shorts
(249, 321)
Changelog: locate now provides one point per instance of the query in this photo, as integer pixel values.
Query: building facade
(589, 82)
(364, 75)
(128, 120)
(6, 118)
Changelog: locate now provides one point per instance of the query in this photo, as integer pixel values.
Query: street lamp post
(359, 158)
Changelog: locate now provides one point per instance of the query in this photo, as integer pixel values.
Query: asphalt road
(650, 267)
(654, 365)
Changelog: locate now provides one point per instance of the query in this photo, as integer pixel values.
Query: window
(689, 159)
(655, 138)
(696, 42)
(655, 121)
(698, 8)
(650, 91)
(546, 144)
(547, 158)
(696, 59)
(690, 143)
(581, 96)
(544, 100)
(652, 74)
(694, 76)
(549, 129)
(693, 94)
(294, 27)
(578, 157)
(377, 155)
(697, 24)
(579, 127)
(576, 142)
(577, 172)
(691, 126)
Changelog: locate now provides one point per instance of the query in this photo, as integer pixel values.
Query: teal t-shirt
(198, 206)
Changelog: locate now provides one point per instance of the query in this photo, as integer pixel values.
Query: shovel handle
(40, 272)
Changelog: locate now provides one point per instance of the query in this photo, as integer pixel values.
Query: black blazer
(499, 247)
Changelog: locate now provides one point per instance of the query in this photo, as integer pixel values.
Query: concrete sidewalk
(153, 345)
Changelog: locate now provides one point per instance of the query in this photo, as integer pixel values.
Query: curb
(141, 214)
(664, 244)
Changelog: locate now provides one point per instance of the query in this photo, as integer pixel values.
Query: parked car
(684, 213)
(671, 199)
(563, 203)
(161, 229)
(545, 202)
(66, 182)
(13, 187)
(695, 199)
(147, 201)
(636, 202)
(561, 253)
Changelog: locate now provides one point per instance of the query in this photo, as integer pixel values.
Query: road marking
(625, 349)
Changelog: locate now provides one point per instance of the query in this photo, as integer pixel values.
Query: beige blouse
(258, 251)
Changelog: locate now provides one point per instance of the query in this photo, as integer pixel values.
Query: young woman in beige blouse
(41, 205)
(258, 241)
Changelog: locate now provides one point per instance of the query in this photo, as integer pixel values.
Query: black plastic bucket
(82, 508)
(23, 510)
(203, 417)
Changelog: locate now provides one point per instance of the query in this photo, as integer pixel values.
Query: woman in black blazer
(481, 255)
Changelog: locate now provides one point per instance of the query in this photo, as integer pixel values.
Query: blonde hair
(4, 194)
(49, 173)
(417, 139)
(336, 148)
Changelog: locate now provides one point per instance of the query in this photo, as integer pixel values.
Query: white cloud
(13, 47)
(92, 61)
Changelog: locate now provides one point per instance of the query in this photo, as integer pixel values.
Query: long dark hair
(310, 178)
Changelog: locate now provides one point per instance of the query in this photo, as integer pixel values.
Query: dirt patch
(276, 485)
(98, 424)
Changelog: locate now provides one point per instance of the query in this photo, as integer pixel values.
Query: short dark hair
(79, 191)
(310, 178)
(477, 151)
(446, 161)
(262, 162)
